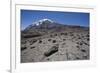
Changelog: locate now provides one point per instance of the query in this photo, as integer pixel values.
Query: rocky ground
(66, 45)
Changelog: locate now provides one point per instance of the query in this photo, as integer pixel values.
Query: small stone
(23, 48)
(32, 47)
(83, 50)
(54, 41)
(40, 41)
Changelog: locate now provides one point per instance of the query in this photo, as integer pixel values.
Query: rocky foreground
(62, 44)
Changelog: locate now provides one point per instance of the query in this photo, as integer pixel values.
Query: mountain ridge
(48, 23)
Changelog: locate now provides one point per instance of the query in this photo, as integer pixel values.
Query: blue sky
(70, 18)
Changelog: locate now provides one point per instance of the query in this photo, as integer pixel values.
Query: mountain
(43, 24)
(46, 26)
(41, 27)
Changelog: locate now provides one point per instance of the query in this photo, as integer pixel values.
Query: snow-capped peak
(41, 21)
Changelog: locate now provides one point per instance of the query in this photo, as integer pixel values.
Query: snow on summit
(41, 21)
